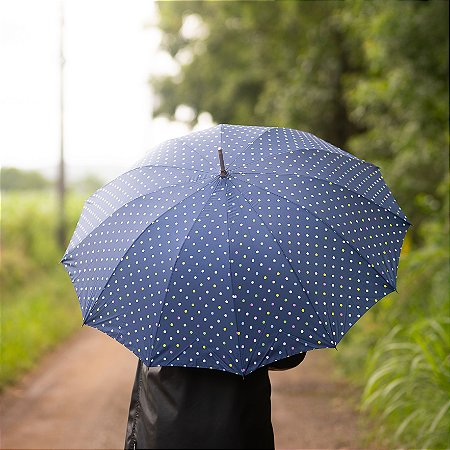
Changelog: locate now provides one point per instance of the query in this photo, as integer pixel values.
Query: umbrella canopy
(234, 247)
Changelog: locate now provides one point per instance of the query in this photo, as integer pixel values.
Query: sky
(111, 47)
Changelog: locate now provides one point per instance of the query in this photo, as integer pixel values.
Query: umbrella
(234, 247)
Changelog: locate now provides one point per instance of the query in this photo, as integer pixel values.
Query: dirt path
(311, 409)
(79, 397)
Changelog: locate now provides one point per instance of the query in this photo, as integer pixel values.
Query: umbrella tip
(223, 172)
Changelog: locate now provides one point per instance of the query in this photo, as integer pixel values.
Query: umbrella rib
(176, 259)
(145, 229)
(328, 146)
(199, 154)
(97, 196)
(346, 318)
(371, 265)
(254, 355)
(168, 363)
(174, 357)
(221, 361)
(148, 165)
(250, 144)
(355, 320)
(288, 260)
(307, 342)
(350, 158)
(322, 179)
(128, 202)
(150, 192)
(231, 278)
(170, 167)
(269, 348)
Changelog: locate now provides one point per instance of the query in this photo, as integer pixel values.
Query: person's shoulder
(288, 363)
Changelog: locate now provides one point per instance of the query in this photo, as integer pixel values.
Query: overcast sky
(109, 53)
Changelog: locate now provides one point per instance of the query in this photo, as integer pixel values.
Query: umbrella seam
(290, 264)
(124, 205)
(254, 355)
(173, 270)
(178, 354)
(346, 317)
(270, 348)
(334, 147)
(222, 362)
(199, 154)
(142, 167)
(114, 271)
(322, 179)
(293, 337)
(231, 278)
(349, 158)
(339, 338)
(371, 265)
(251, 143)
(166, 166)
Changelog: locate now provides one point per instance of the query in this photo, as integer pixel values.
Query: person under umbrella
(196, 408)
(227, 269)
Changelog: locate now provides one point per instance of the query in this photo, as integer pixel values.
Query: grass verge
(40, 316)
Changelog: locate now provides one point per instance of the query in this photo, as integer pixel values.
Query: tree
(402, 100)
(370, 77)
(281, 64)
(17, 179)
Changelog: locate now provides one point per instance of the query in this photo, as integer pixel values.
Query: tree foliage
(256, 66)
(402, 100)
(367, 76)
(371, 77)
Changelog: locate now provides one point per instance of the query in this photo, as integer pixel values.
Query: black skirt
(178, 407)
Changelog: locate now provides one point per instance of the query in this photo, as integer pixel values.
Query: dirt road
(79, 395)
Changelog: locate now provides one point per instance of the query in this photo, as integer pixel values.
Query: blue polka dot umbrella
(234, 247)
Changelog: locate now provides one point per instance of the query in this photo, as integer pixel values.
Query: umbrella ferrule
(223, 172)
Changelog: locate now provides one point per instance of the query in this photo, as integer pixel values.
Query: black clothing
(190, 408)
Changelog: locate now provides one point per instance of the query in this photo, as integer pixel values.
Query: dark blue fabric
(282, 256)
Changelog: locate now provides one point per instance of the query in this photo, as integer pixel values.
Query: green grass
(39, 317)
(39, 305)
(407, 391)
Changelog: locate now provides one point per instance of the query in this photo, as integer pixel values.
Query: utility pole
(61, 184)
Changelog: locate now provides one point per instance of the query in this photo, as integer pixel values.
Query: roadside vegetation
(370, 77)
(39, 306)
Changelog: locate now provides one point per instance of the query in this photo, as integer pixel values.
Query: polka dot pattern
(283, 255)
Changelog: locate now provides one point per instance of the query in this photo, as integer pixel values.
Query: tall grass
(408, 390)
(399, 352)
(39, 306)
